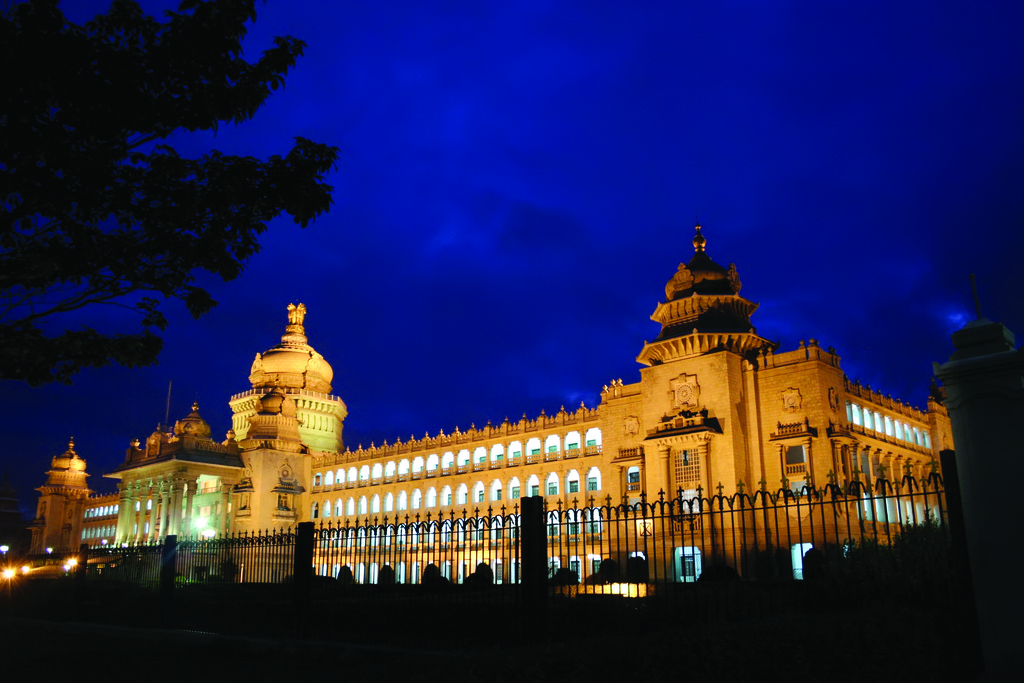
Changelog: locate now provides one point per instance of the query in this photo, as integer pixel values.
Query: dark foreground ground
(52, 626)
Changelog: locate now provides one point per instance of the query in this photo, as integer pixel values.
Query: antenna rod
(167, 413)
(974, 290)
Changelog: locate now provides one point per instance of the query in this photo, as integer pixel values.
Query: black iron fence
(893, 531)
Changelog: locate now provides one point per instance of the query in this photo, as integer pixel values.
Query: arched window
(339, 478)
(402, 500)
(447, 461)
(572, 482)
(329, 479)
(327, 508)
(337, 508)
(375, 503)
(593, 438)
(403, 468)
(497, 452)
(552, 485)
(552, 444)
(533, 446)
(633, 479)
(417, 499)
(514, 489)
(352, 474)
(479, 495)
(496, 489)
(350, 507)
(432, 461)
(463, 494)
(362, 505)
(572, 441)
(855, 415)
(446, 532)
(417, 464)
(378, 470)
(389, 469)
(554, 525)
(480, 455)
(515, 451)
(364, 473)
(463, 459)
(315, 512)
(316, 479)
(533, 486)
(431, 497)
(389, 502)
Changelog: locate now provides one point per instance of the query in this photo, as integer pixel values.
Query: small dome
(64, 460)
(293, 363)
(702, 275)
(193, 425)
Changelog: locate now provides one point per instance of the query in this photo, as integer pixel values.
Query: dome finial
(296, 314)
(698, 240)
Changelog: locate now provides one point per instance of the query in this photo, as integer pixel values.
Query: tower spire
(698, 240)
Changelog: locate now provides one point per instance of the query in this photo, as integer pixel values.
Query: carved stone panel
(685, 392)
(792, 401)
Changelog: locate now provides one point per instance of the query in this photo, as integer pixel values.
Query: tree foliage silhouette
(98, 207)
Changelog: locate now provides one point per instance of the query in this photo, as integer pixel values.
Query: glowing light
(209, 533)
(8, 573)
(25, 569)
(73, 561)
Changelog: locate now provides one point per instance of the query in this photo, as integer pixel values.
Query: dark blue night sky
(518, 181)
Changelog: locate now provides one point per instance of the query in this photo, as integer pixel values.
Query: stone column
(191, 483)
(662, 474)
(178, 484)
(125, 506)
(140, 514)
(225, 498)
(165, 495)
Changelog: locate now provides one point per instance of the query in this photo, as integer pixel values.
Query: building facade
(717, 408)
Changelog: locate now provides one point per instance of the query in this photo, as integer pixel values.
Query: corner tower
(58, 522)
(699, 398)
(294, 367)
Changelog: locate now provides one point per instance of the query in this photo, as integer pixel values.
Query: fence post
(80, 570)
(302, 575)
(534, 554)
(168, 566)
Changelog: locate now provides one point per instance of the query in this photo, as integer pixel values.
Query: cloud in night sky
(519, 180)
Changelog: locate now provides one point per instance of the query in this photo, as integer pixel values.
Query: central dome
(292, 364)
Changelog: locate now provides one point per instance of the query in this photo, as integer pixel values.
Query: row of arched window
(570, 486)
(98, 531)
(514, 452)
(101, 511)
(874, 420)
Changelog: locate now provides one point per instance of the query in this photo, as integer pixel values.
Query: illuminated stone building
(716, 407)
